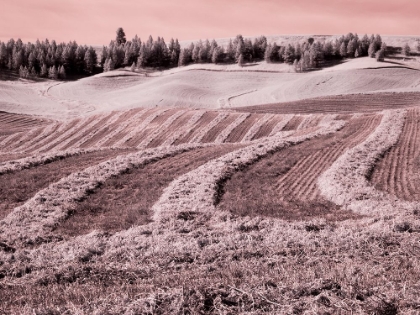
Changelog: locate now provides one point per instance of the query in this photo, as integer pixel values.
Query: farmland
(212, 191)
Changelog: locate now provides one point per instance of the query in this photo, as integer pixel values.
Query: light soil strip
(105, 132)
(140, 127)
(222, 136)
(38, 140)
(26, 138)
(204, 121)
(256, 127)
(90, 133)
(36, 218)
(201, 132)
(82, 130)
(59, 133)
(184, 130)
(118, 128)
(156, 132)
(212, 134)
(281, 125)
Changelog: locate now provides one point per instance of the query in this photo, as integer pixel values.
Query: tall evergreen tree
(120, 38)
(406, 51)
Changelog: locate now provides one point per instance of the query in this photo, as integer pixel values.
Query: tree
(120, 39)
(241, 60)
(289, 54)
(343, 50)
(380, 54)
(133, 67)
(217, 55)
(230, 52)
(406, 50)
(372, 50)
(44, 71)
(52, 73)
(62, 73)
(418, 45)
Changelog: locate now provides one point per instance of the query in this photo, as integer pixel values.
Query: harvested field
(352, 103)
(284, 185)
(19, 186)
(212, 134)
(298, 207)
(398, 172)
(240, 131)
(125, 200)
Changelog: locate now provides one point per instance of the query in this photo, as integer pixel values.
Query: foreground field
(304, 207)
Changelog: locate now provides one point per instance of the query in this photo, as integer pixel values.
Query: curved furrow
(200, 190)
(38, 216)
(396, 171)
(21, 179)
(281, 125)
(112, 127)
(26, 138)
(212, 134)
(202, 122)
(201, 132)
(293, 123)
(346, 182)
(89, 132)
(12, 138)
(300, 180)
(138, 128)
(82, 129)
(256, 127)
(60, 132)
(225, 134)
(124, 124)
(183, 128)
(160, 129)
(38, 140)
(125, 201)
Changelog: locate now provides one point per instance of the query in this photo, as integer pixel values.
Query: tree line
(56, 61)
(48, 59)
(304, 56)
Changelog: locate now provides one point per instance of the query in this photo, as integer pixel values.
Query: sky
(94, 22)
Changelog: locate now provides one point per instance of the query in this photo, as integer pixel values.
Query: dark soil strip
(293, 124)
(17, 187)
(240, 131)
(341, 104)
(202, 122)
(178, 124)
(254, 190)
(268, 127)
(125, 201)
(212, 134)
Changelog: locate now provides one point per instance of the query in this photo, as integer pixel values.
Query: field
(212, 190)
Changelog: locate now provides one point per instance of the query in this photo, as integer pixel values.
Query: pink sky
(94, 21)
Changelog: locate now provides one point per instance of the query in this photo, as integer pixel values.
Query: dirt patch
(125, 201)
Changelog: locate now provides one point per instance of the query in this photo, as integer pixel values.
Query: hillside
(212, 189)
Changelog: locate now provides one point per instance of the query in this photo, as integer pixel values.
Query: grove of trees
(47, 59)
(58, 61)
